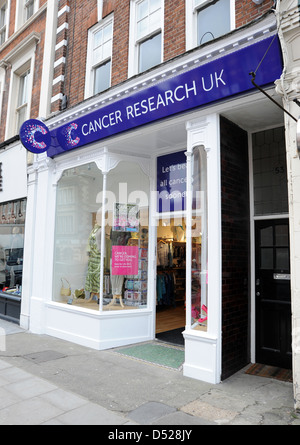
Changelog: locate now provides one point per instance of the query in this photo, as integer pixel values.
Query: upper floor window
(25, 9)
(3, 21)
(146, 39)
(208, 20)
(29, 9)
(213, 20)
(20, 91)
(99, 56)
(23, 94)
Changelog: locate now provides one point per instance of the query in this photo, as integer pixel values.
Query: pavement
(48, 381)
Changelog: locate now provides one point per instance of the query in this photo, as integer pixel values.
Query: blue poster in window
(171, 182)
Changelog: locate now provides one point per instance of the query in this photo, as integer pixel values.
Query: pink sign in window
(125, 260)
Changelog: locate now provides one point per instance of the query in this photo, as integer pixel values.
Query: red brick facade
(246, 11)
(83, 15)
(37, 25)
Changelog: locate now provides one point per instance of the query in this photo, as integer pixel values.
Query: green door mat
(157, 354)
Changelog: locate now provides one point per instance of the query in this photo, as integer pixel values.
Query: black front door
(273, 293)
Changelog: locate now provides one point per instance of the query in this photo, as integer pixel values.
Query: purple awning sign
(207, 83)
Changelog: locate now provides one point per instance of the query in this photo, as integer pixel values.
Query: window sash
(29, 9)
(102, 44)
(23, 89)
(213, 20)
(3, 18)
(150, 52)
(102, 75)
(148, 18)
(22, 105)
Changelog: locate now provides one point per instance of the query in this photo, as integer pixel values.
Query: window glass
(77, 248)
(282, 258)
(150, 53)
(282, 235)
(270, 172)
(22, 99)
(78, 238)
(267, 260)
(3, 22)
(126, 238)
(102, 44)
(99, 60)
(29, 8)
(266, 236)
(213, 21)
(199, 241)
(12, 222)
(102, 77)
(148, 17)
(148, 33)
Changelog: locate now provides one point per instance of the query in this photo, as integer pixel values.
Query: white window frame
(22, 105)
(21, 59)
(90, 66)
(21, 8)
(192, 7)
(6, 25)
(134, 42)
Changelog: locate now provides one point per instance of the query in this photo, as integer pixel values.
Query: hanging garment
(117, 284)
(165, 289)
(163, 254)
(92, 282)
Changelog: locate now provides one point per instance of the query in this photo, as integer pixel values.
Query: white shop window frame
(203, 349)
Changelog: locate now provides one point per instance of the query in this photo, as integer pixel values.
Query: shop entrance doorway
(170, 281)
(273, 293)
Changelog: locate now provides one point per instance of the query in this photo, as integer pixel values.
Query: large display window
(101, 238)
(75, 235)
(126, 235)
(12, 223)
(199, 263)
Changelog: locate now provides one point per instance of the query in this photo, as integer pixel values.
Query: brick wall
(174, 29)
(246, 11)
(235, 248)
(38, 26)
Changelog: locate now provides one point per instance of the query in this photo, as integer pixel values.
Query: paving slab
(48, 381)
(150, 412)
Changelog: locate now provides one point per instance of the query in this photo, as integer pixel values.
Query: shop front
(13, 199)
(130, 217)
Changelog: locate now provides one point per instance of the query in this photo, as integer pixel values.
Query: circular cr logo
(68, 136)
(35, 136)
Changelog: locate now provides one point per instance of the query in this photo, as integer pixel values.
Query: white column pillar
(39, 276)
(29, 240)
(203, 349)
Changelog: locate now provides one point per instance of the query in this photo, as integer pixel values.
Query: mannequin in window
(118, 239)
(92, 282)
